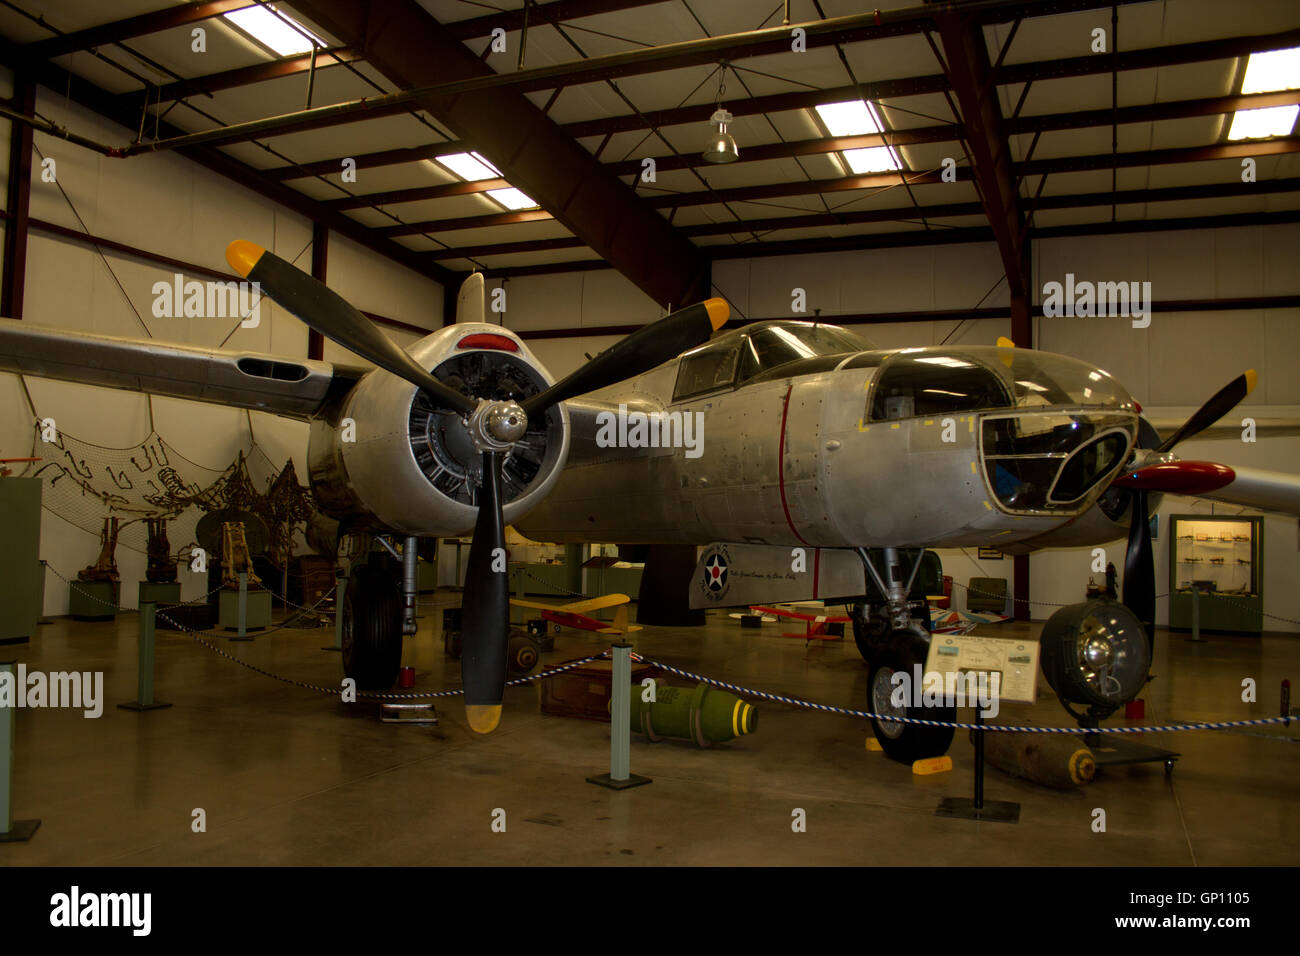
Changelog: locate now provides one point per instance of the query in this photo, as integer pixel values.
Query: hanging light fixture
(722, 145)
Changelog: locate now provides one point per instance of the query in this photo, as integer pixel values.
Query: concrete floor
(287, 776)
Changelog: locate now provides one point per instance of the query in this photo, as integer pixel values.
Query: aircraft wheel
(905, 742)
(372, 628)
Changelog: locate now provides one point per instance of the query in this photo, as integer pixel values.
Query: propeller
(334, 317)
(645, 348)
(493, 426)
(1158, 471)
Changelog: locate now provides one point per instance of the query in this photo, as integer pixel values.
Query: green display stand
(1223, 555)
(22, 577)
(160, 593)
(92, 600)
(258, 614)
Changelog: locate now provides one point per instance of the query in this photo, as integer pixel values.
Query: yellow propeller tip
(718, 311)
(483, 718)
(1252, 379)
(1005, 343)
(243, 255)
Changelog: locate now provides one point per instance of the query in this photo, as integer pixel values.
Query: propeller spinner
(493, 426)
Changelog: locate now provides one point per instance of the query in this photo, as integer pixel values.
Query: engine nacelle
(385, 458)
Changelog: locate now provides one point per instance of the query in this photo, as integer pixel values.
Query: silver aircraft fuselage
(813, 453)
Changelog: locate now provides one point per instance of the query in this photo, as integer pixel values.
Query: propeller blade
(645, 348)
(1140, 568)
(1178, 477)
(333, 317)
(485, 608)
(1219, 404)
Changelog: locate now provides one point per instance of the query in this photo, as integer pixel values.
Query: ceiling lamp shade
(722, 146)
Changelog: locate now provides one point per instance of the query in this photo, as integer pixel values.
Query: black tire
(905, 742)
(869, 636)
(372, 628)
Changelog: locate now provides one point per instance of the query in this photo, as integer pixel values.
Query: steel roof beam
(116, 31)
(902, 214)
(81, 91)
(240, 76)
(401, 40)
(560, 11)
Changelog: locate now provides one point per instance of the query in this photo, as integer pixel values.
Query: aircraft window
(924, 385)
(1089, 465)
(772, 346)
(706, 370)
(1044, 379)
(1038, 462)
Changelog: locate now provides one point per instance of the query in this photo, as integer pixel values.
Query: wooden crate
(584, 691)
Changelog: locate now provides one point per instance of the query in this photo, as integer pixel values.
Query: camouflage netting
(84, 483)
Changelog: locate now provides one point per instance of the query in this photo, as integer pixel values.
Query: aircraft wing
(1225, 430)
(800, 616)
(594, 604)
(575, 607)
(267, 383)
(1274, 491)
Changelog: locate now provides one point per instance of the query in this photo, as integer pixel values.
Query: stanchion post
(11, 830)
(340, 593)
(144, 663)
(1196, 614)
(242, 609)
(994, 811)
(620, 725)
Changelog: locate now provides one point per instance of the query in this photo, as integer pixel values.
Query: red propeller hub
(1179, 477)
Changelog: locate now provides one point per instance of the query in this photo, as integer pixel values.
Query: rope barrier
(198, 638)
(1002, 728)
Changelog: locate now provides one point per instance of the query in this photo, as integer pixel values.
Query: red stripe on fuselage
(780, 468)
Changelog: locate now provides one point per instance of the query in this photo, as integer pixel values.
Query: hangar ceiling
(1044, 136)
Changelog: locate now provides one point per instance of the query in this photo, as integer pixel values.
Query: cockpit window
(1041, 378)
(707, 369)
(772, 346)
(934, 384)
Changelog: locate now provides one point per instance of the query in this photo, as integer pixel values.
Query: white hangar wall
(1170, 367)
(167, 205)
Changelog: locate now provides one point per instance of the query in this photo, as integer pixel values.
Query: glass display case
(1221, 557)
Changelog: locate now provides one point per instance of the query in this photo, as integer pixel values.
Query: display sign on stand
(975, 669)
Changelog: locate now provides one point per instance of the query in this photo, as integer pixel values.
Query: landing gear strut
(893, 641)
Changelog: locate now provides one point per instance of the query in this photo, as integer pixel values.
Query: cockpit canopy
(936, 381)
(752, 351)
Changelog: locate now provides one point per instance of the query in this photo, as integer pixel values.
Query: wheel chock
(873, 746)
(932, 765)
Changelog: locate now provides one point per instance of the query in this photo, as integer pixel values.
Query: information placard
(1013, 660)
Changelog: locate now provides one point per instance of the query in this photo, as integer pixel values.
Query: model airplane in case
(807, 439)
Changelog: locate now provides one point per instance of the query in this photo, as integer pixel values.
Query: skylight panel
(470, 167)
(1273, 70)
(1261, 124)
(851, 118)
(874, 159)
(277, 31)
(512, 198)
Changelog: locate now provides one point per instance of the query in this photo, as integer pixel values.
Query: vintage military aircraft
(815, 440)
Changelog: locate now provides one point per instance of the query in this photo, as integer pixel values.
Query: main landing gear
(893, 637)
